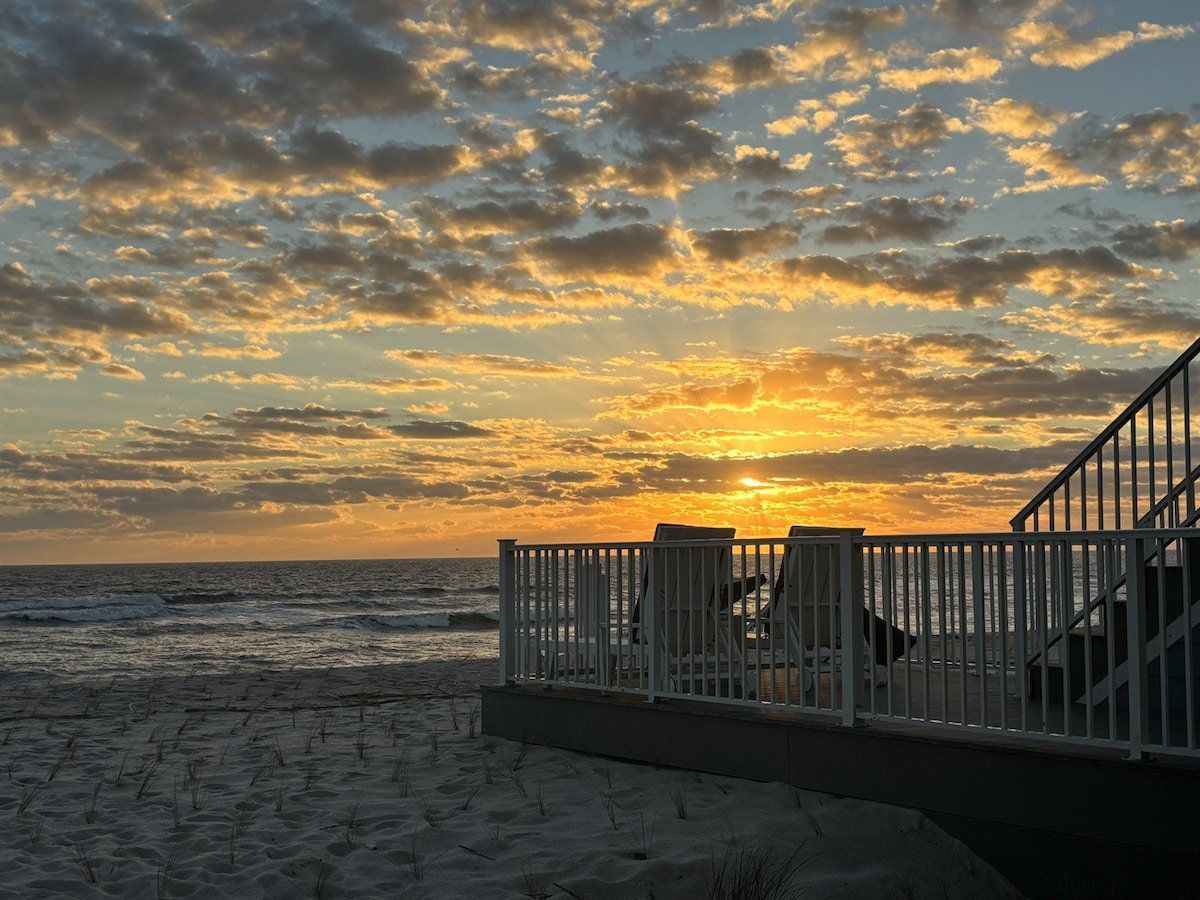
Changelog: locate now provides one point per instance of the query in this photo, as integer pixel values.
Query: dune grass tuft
(89, 807)
(321, 885)
(85, 865)
(428, 813)
(401, 774)
(534, 886)
(610, 809)
(643, 836)
(470, 795)
(147, 777)
(26, 798)
(416, 862)
(753, 873)
(679, 800)
(166, 874)
(350, 825)
(237, 827)
(364, 750)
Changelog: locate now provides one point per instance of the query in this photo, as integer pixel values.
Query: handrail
(1018, 522)
(1174, 493)
(1147, 521)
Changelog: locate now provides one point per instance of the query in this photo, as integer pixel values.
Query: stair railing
(1141, 471)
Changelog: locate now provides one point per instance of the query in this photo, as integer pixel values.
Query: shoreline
(375, 781)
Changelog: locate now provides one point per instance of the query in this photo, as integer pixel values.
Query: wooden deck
(960, 698)
(936, 695)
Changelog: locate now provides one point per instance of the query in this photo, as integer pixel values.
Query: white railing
(1139, 472)
(934, 631)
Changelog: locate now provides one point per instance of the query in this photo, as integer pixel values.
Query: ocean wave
(392, 592)
(474, 620)
(112, 608)
(203, 597)
(459, 620)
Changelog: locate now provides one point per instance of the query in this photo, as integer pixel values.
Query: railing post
(1135, 631)
(1021, 629)
(649, 623)
(979, 612)
(852, 627)
(508, 611)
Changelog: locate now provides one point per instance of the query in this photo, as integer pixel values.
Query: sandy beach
(376, 782)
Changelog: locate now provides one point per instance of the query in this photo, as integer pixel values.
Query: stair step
(1082, 644)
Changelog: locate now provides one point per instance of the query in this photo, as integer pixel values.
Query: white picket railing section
(962, 632)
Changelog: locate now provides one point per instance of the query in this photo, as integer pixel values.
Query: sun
(752, 483)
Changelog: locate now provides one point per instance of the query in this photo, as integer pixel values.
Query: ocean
(97, 621)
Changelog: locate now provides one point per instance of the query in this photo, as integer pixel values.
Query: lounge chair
(806, 608)
(695, 634)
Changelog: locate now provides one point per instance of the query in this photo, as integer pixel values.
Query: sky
(380, 278)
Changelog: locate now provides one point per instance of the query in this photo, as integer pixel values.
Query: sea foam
(112, 608)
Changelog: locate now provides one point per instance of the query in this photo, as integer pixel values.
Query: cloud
(888, 466)
(63, 325)
(131, 79)
(877, 148)
(163, 348)
(736, 244)
(519, 25)
(517, 216)
(1056, 46)
(310, 412)
(961, 66)
(629, 250)
(766, 165)
(984, 14)
(837, 49)
(750, 67)
(964, 281)
(432, 408)
(27, 180)
(1155, 151)
(85, 467)
(883, 218)
(116, 370)
(1117, 322)
(62, 308)
(890, 387)
(931, 350)
(250, 351)
(1058, 168)
(483, 364)
(300, 57)
(654, 110)
(281, 380)
(440, 431)
(325, 154)
(1174, 241)
(1014, 118)
(394, 385)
